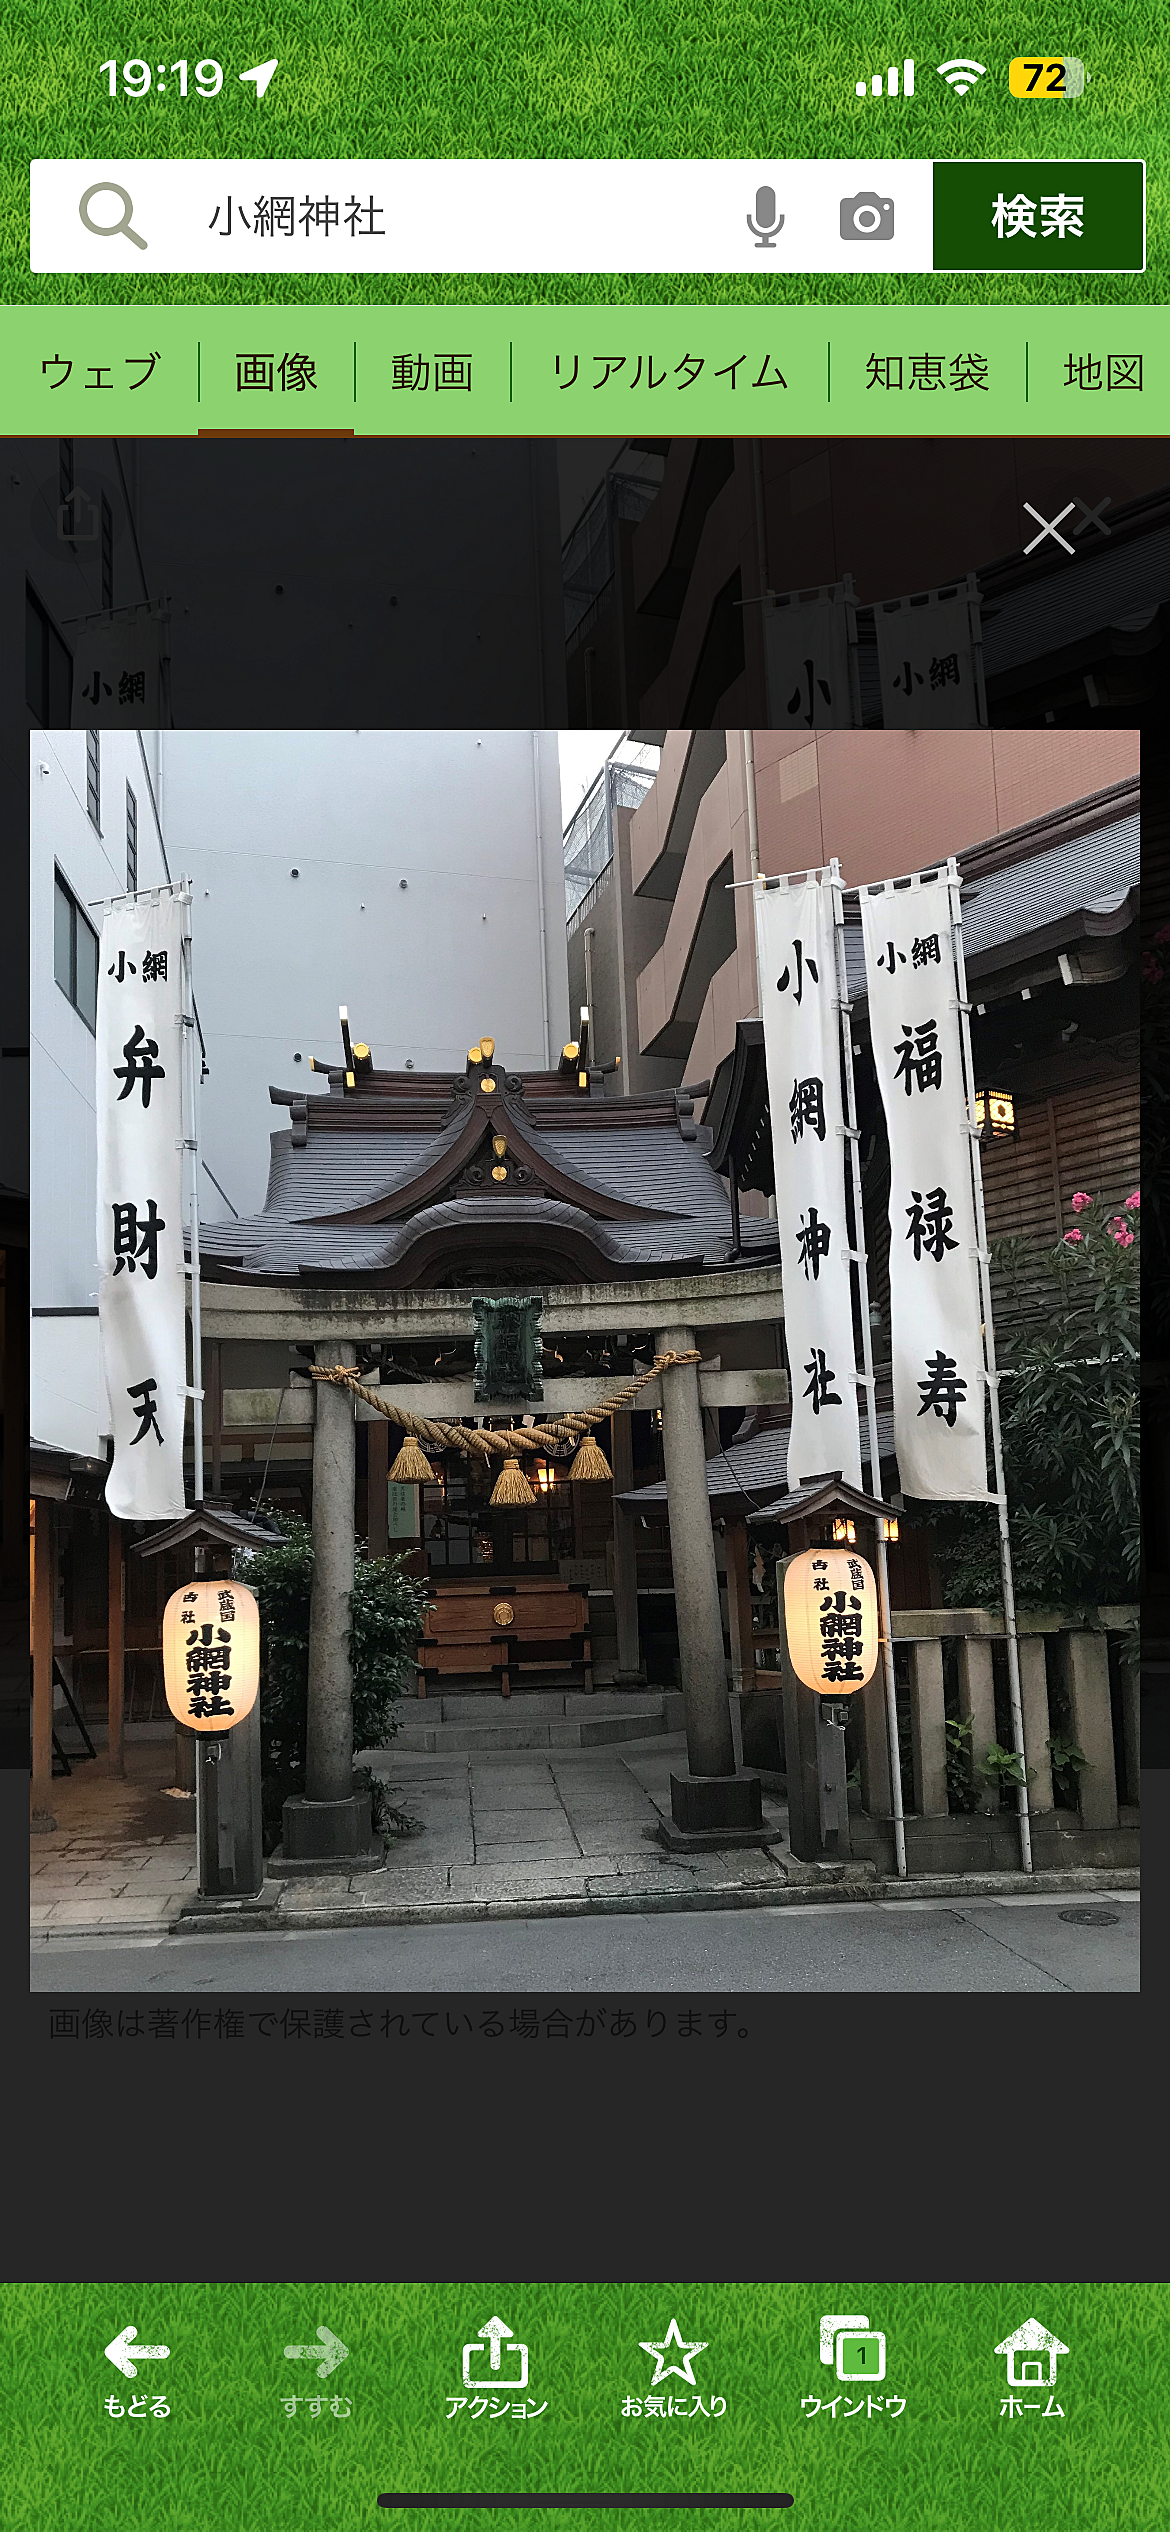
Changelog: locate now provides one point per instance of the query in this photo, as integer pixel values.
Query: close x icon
(1090, 517)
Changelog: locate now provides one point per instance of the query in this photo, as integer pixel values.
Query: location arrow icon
(261, 75)
(331, 2349)
(120, 2352)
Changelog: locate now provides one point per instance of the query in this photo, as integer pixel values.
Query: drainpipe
(749, 773)
(589, 934)
(534, 735)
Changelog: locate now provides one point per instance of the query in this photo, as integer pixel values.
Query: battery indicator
(1053, 78)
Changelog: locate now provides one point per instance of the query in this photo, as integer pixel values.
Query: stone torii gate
(686, 1311)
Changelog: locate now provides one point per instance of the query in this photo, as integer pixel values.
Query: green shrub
(1067, 1762)
(1004, 1769)
(387, 1617)
(1069, 1417)
(962, 1791)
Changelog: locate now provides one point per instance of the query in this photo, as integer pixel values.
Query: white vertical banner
(808, 638)
(117, 668)
(141, 1297)
(802, 1051)
(935, 1315)
(929, 659)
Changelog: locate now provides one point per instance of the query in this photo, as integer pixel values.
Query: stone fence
(1082, 1668)
(1070, 1678)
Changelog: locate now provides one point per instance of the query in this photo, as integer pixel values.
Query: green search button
(1033, 215)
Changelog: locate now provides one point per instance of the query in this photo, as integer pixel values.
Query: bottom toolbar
(195, 2408)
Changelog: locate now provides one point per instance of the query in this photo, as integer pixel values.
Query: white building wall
(474, 940)
(68, 1406)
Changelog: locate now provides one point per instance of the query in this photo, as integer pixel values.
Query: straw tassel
(589, 1462)
(512, 1485)
(412, 1467)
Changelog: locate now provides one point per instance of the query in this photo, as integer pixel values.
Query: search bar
(463, 215)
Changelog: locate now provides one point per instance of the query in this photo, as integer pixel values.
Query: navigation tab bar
(583, 371)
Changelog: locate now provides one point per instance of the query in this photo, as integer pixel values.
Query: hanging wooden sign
(211, 1654)
(831, 1619)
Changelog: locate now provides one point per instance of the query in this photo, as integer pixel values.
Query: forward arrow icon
(330, 2349)
(121, 2353)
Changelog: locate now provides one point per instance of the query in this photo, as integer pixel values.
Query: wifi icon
(961, 75)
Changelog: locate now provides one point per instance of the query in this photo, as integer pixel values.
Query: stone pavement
(543, 1826)
(502, 1834)
(123, 1852)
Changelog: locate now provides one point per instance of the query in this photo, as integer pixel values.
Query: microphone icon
(768, 222)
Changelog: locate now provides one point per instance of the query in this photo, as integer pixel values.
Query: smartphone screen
(571, 1261)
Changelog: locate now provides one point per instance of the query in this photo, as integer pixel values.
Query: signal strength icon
(961, 75)
(877, 87)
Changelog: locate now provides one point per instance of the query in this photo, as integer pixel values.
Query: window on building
(131, 842)
(93, 776)
(75, 952)
(48, 674)
(107, 553)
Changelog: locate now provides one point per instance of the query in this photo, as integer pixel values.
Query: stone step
(487, 1705)
(517, 1723)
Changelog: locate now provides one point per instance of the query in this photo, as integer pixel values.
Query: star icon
(687, 2349)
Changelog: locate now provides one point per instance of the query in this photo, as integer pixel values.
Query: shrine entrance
(503, 1615)
(464, 1535)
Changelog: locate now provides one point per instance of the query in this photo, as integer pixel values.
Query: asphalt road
(988, 1946)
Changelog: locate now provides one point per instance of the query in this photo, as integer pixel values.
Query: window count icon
(856, 2353)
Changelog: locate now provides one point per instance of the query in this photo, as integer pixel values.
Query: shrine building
(499, 1249)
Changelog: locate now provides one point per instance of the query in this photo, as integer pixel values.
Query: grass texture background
(228, 2459)
(559, 79)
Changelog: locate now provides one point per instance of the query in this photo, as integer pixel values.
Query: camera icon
(867, 216)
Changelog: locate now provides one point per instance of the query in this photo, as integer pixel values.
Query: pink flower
(1164, 934)
(1079, 1202)
(1132, 1202)
(1121, 1232)
(1070, 1236)
(1151, 968)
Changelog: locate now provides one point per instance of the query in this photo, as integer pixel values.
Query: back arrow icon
(330, 2349)
(120, 2353)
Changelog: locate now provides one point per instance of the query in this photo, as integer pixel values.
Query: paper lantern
(211, 1655)
(831, 1619)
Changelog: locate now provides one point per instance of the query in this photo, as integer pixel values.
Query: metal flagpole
(990, 1372)
(858, 1254)
(191, 1145)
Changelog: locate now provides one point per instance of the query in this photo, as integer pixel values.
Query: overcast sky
(583, 753)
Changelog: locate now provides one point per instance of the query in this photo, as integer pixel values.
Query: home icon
(1031, 2353)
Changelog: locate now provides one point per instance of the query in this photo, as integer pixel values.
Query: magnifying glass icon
(121, 228)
